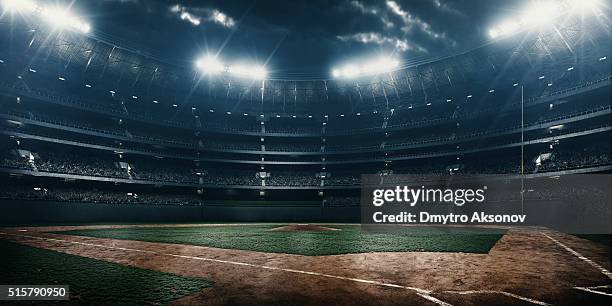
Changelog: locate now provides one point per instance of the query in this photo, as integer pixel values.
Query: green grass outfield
(349, 239)
(91, 281)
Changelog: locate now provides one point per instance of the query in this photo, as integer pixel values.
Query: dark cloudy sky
(297, 36)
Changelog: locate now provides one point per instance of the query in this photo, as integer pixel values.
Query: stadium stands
(461, 114)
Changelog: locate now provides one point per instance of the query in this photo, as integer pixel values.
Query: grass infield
(91, 281)
(349, 239)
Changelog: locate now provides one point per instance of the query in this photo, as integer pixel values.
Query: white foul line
(592, 290)
(516, 296)
(590, 262)
(420, 292)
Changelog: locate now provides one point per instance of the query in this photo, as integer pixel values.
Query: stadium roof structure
(495, 66)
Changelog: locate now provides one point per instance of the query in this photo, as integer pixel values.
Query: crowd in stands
(292, 179)
(162, 172)
(69, 163)
(97, 196)
(231, 178)
(594, 155)
(169, 171)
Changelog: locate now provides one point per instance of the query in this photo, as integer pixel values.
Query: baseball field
(279, 264)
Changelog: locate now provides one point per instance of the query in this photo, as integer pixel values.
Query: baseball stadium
(316, 152)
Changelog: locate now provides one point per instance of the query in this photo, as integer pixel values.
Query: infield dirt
(524, 267)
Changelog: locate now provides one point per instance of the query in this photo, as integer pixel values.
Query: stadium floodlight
(255, 72)
(62, 18)
(259, 72)
(350, 71)
(540, 13)
(494, 33)
(380, 65)
(210, 65)
(507, 28)
(20, 6)
(375, 66)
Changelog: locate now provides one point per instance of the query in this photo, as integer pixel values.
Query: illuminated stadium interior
(219, 177)
(80, 109)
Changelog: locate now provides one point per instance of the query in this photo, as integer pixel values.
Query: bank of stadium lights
(542, 12)
(212, 65)
(376, 66)
(21, 6)
(57, 17)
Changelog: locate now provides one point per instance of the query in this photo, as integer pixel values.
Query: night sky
(296, 37)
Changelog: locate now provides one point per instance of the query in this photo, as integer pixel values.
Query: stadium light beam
(350, 71)
(19, 5)
(541, 13)
(254, 72)
(55, 16)
(213, 65)
(336, 73)
(210, 65)
(62, 18)
(376, 66)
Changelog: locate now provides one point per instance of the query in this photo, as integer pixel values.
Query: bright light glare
(540, 13)
(57, 17)
(380, 65)
(213, 65)
(210, 65)
(63, 18)
(336, 73)
(19, 5)
(585, 4)
(254, 72)
(350, 71)
(494, 33)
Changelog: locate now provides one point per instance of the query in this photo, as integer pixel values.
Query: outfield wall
(23, 212)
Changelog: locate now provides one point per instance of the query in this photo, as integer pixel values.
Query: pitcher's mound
(303, 228)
